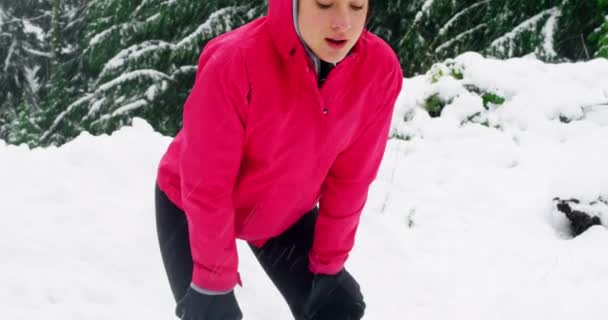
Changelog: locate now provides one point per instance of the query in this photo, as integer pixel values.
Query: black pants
(284, 258)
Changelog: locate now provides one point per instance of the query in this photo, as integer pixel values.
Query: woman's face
(331, 28)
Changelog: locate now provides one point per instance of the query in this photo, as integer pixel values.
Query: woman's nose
(341, 22)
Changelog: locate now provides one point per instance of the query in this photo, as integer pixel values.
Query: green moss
(457, 74)
(434, 104)
(439, 71)
(493, 98)
(455, 71)
(435, 76)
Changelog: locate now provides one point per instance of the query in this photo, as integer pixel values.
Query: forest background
(80, 65)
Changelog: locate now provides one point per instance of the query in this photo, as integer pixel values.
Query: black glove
(198, 306)
(335, 297)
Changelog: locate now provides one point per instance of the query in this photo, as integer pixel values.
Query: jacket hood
(284, 34)
(316, 61)
(282, 29)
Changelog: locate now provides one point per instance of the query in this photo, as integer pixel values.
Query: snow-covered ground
(460, 224)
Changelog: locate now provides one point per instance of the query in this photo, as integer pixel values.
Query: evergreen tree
(73, 65)
(140, 60)
(56, 98)
(23, 60)
(602, 40)
(24, 128)
(600, 34)
(427, 31)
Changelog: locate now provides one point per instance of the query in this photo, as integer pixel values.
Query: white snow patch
(458, 223)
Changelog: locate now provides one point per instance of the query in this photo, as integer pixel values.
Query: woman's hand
(198, 306)
(335, 297)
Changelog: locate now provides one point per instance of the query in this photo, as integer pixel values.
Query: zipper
(332, 74)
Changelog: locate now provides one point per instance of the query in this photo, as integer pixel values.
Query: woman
(287, 112)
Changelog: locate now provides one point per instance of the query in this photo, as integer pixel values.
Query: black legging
(284, 258)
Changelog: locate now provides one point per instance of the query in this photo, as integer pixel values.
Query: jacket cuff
(208, 292)
(203, 278)
(317, 266)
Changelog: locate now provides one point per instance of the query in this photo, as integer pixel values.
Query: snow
(100, 36)
(459, 223)
(129, 107)
(38, 52)
(2, 16)
(146, 48)
(151, 74)
(457, 38)
(133, 52)
(68, 49)
(457, 16)
(136, 51)
(155, 90)
(140, 7)
(549, 31)
(424, 10)
(9, 55)
(597, 209)
(153, 18)
(95, 107)
(34, 29)
(32, 79)
(64, 113)
(219, 16)
(114, 84)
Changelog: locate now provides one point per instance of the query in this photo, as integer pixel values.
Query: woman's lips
(336, 43)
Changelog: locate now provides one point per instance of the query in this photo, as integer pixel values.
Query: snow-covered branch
(458, 15)
(205, 29)
(507, 39)
(153, 75)
(459, 37)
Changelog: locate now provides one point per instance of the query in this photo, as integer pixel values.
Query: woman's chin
(332, 56)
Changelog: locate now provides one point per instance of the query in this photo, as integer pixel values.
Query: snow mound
(461, 220)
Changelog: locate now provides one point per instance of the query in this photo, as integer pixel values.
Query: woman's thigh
(285, 261)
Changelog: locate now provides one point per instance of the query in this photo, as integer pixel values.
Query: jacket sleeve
(213, 139)
(344, 191)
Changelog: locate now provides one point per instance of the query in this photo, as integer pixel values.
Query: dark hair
(369, 13)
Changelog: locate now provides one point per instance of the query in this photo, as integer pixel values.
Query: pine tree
(427, 31)
(600, 35)
(24, 128)
(23, 60)
(94, 65)
(140, 59)
(56, 98)
(602, 40)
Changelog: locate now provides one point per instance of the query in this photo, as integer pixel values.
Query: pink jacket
(261, 144)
